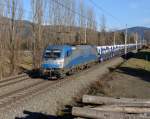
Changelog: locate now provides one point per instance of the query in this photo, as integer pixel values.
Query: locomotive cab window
(52, 54)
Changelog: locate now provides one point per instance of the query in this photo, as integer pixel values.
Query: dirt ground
(54, 100)
(131, 79)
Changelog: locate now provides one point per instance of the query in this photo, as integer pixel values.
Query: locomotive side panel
(83, 55)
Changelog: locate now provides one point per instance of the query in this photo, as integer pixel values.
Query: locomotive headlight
(60, 63)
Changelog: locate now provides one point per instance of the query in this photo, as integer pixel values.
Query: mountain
(139, 29)
(55, 33)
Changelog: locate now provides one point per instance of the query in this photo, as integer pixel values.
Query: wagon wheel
(61, 75)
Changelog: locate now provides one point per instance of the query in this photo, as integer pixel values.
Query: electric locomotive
(60, 60)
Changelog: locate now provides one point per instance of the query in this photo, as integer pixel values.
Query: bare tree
(1, 39)
(81, 14)
(19, 28)
(82, 20)
(146, 37)
(37, 30)
(69, 19)
(121, 38)
(12, 12)
(56, 18)
(91, 20)
(91, 24)
(103, 30)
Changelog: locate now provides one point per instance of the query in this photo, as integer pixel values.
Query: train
(61, 60)
(107, 52)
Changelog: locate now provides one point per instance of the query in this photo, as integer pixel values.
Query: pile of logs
(112, 108)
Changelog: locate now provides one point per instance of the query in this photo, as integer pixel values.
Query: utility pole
(140, 42)
(85, 37)
(126, 36)
(85, 34)
(136, 42)
(143, 40)
(114, 38)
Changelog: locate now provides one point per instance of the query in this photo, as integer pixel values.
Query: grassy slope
(131, 79)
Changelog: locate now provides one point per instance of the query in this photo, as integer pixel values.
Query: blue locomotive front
(59, 60)
(54, 59)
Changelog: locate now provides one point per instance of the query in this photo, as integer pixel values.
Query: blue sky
(131, 12)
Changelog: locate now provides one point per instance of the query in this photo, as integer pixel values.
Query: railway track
(13, 80)
(13, 77)
(18, 94)
(28, 91)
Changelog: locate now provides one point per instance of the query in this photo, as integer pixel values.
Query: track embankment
(130, 80)
(56, 96)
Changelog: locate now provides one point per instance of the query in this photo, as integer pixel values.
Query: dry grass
(137, 64)
(4, 66)
(24, 63)
(130, 80)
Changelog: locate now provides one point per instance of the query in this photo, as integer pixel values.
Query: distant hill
(52, 33)
(67, 34)
(138, 29)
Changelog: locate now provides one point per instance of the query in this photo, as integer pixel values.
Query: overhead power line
(73, 11)
(105, 11)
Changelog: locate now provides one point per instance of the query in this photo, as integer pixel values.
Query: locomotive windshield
(52, 54)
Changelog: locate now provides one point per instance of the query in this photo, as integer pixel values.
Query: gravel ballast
(50, 101)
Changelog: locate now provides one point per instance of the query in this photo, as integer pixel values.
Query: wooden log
(96, 114)
(79, 118)
(133, 110)
(117, 101)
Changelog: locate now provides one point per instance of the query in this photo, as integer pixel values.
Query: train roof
(61, 47)
(58, 47)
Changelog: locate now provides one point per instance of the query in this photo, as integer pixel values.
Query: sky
(130, 12)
